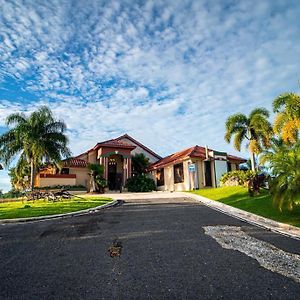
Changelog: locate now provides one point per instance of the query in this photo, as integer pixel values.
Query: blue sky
(166, 72)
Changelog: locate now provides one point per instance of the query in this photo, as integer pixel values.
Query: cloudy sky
(166, 72)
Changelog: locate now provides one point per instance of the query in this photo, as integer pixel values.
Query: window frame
(179, 179)
(161, 181)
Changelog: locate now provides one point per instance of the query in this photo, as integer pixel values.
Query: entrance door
(208, 181)
(112, 172)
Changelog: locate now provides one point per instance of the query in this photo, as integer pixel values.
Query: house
(115, 155)
(192, 168)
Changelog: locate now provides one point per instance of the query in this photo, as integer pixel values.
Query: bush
(237, 177)
(67, 187)
(12, 194)
(140, 183)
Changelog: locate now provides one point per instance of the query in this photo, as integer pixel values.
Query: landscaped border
(65, 215)
(278, 227)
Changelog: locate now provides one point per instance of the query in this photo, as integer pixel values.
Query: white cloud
(167, 72)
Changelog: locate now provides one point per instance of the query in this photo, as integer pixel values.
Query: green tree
(140, 163)
(255, 129)
(284, 163)
(36, 138)
(287, 120)
(19, 175)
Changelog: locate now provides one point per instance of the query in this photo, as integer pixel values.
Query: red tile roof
(118, 143)
(74, 163)
(193, 152)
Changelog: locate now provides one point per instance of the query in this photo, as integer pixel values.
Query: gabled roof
(192, 152)
(139, 144)
(119, 143)
(115, 143)
(74, 163)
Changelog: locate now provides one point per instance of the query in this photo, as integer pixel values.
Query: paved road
(165, 255)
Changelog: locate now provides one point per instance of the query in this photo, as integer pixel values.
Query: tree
(284, 162)
(287, 120)
(256, 129)
(19, 175)
(140, 163)
(35, 139)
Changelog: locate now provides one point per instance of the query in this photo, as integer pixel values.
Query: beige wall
(82, 176)
(92, 157)
(56, 181)
(189, 180)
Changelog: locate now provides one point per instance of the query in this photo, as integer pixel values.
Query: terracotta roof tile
(194, 152)
(74, 163)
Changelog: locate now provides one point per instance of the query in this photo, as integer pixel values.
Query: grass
(238, 197)
(11, 210)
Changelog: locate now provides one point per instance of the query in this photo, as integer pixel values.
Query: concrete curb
(282, 228)
(70, 214)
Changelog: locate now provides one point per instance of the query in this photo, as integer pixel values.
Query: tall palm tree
(287, 120)
(255, 128)
(284, 162)
(35, 139)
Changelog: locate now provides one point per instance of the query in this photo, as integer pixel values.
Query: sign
(192, 168)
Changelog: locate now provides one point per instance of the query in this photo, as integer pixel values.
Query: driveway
(161, 248)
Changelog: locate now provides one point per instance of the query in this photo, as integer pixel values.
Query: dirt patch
(115, 249)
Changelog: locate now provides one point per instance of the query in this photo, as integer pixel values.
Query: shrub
(140, 183)
(12, 194)
(67, 187)
(237, 177)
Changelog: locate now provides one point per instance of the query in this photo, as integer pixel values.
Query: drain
(115, 249)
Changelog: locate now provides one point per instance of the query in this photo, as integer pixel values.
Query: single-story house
(115, 155)
(192, 168)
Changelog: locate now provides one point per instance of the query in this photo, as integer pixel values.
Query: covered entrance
(115, 172)
(117, 164)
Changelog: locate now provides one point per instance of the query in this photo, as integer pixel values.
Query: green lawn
(260, 205)
(18, 209)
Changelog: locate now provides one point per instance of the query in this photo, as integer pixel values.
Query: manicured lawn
(42, 208)
(260, 205)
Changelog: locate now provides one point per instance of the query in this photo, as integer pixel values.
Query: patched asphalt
(142, 249)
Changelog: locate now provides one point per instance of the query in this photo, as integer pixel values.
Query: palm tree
(284, 162)
(287, 120)
(256, 129)
(34, 139)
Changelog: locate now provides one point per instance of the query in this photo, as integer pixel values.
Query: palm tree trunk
(31, 174)
(253, 163)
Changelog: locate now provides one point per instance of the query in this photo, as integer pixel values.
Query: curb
(57, 216)
(278, 227)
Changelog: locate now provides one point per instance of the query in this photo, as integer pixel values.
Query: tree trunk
(253, 164)
(31, 174)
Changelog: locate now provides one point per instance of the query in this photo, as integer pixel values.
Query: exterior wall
(56, 181)
(92, 157)
(138, 149)
(82, 176)
(169, 179)
(201, 174)
(233, 167)
(213, 174)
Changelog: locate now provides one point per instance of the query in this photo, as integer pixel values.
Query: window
(178, 173)
(160, 177)
(228, 166)
(65, 171)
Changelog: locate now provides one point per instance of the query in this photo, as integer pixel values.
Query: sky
(168, 73)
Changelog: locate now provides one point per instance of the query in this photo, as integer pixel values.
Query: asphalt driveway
(162, 252)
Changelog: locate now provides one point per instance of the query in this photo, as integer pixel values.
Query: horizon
(168, 73)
